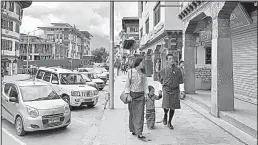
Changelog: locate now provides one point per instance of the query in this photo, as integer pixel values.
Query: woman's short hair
(150, 88)
(137, 62)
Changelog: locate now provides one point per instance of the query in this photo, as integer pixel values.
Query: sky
(90, 16)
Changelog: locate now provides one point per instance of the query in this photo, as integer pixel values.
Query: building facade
(78, 42)
(11, 20)
(86, 43)
(40, 49)
(220, 49)
(130, 30)
(160, 32)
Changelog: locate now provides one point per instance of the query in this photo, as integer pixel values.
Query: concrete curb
(230, 129)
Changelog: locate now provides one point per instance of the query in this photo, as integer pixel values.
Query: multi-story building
(130, 29)
(86, 43)
(70, 36)
(129, 35)
(40, 49)
(11, 20)
(160, 32)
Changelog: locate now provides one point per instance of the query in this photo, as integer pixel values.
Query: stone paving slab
(190, 127)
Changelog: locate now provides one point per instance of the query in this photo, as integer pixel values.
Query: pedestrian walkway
(16, 77)
(190, 127)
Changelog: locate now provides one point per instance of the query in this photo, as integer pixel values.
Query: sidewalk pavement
(190, 128)
(16, 77)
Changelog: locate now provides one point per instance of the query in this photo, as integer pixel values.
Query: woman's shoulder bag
(123, 96)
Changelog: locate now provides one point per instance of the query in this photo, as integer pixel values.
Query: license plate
(54, 120)
(87, 100)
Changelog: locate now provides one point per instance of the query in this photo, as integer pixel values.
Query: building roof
(24, 4)
(61, 24)
(26, 35)
(130, 18)
(87, 34)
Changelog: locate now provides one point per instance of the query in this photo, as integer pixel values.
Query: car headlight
(66, 108)
(96, 92)
(32, 112)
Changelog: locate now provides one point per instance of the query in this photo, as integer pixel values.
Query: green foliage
(100, 54)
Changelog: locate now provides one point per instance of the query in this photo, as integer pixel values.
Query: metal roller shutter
(244, 47)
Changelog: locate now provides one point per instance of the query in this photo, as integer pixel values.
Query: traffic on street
(84, 120)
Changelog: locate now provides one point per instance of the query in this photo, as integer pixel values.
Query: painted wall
(149, 13)
(200, 55)
(172, 22)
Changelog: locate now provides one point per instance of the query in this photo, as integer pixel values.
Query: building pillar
(188, 53)
(222, 94)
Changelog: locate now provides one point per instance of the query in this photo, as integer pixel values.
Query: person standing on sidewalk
(181, 86)
(170, 78)
(150, 107)
(137, 89)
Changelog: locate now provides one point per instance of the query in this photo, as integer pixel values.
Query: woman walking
(137, 89)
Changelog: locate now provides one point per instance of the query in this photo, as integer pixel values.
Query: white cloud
(90, 16)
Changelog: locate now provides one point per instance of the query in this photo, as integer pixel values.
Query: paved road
(84, 122)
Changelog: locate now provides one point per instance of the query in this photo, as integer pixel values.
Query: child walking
(150, 107)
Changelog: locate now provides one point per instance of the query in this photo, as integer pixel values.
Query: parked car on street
(89, 81)
(91, 76)
(69, 85)
(102, 73)
(105, 65)
(98, 73)
(33, 106)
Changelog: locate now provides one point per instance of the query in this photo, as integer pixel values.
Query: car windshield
(90, 69)
(104, 70)
(92, 76)
(85, 77)
(83, 70)
(71, 79)
(37, 93)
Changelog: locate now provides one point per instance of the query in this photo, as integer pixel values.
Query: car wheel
(67, 100)
(19, 126)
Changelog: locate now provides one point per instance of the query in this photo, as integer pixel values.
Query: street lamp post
(111, 57)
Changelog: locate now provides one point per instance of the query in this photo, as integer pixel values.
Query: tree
(100, 55)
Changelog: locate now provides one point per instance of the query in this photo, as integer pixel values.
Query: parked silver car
(33, 106)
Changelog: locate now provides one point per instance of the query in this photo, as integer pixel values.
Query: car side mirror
(54, 82)
(13, 99)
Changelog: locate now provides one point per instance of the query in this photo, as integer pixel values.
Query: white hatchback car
(33, 106)
(69, 85)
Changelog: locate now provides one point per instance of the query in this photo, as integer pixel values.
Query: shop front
(219, 51)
